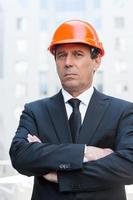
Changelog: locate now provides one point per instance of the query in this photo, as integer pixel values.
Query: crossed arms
(92, 153)
(32, 156)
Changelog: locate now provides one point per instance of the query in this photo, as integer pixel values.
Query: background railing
(14, 186)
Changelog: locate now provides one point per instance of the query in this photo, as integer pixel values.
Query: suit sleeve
(114, 169)
(40, 158)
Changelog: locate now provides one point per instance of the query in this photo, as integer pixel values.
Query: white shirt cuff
(85, 159)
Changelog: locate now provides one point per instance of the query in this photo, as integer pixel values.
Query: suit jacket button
(62, 166)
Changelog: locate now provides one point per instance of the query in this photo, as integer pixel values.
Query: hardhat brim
(51, 48)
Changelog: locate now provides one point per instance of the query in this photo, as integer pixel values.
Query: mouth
(70, 75)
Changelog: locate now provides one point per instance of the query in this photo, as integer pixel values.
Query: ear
(97, 62)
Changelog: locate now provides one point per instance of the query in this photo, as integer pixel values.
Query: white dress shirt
(84, 98)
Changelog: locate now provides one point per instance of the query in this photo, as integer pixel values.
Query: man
(77, 144)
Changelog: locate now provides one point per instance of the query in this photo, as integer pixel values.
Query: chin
(71, 87)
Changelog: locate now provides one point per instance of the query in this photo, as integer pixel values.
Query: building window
(17, 112)
(23, 3)
(119, 22)
(20, 90)
(119, 44)
(43, 24)
(97, 22)
(96, 3)
(2, 142)
(43, 83)
(121, 87)
(1, 122)
(22, 45)
(99, 76)
(22, 24)
(21, 67)
(125, 88)
(1, 42)
(70, 5)
(119, 3)
(120, 66)
(43, 4)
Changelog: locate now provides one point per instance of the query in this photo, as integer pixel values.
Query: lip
(69, 74)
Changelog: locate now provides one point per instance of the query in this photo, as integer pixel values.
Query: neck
(76, 93)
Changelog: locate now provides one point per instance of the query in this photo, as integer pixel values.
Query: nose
(69, 61)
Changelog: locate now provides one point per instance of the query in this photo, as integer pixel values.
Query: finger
(30, 138)
(52, 177)
(109, 150)
(36, 138)
(46, 176)
(33, 138)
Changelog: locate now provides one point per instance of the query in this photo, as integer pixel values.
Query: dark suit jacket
(108, 123)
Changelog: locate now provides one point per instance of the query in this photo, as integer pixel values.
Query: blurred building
(27, 70)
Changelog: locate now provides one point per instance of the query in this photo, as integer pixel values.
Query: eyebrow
(63, 51)
(78, 50)
(60, 52)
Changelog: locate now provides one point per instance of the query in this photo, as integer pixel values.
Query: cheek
(58, 68)
(85, 70)
(87, 74)
(59, 71)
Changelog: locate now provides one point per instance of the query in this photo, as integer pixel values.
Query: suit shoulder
(39, 103)
(115, 100)
(118, 101)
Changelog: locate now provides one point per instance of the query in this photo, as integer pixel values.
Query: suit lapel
(96, 109)
(57, 111)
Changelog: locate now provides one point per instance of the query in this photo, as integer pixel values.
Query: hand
(33, 138)
(95, 153)
(52, 177)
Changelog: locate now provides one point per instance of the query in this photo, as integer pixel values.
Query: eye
(78, 54)
(61, 55)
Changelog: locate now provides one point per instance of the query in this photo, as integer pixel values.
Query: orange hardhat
(76, 31)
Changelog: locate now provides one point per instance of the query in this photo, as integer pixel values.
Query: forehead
(73, 47)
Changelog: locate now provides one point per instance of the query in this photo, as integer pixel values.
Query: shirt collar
(83, 97)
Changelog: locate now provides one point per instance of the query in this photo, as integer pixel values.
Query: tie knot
(74, 103)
